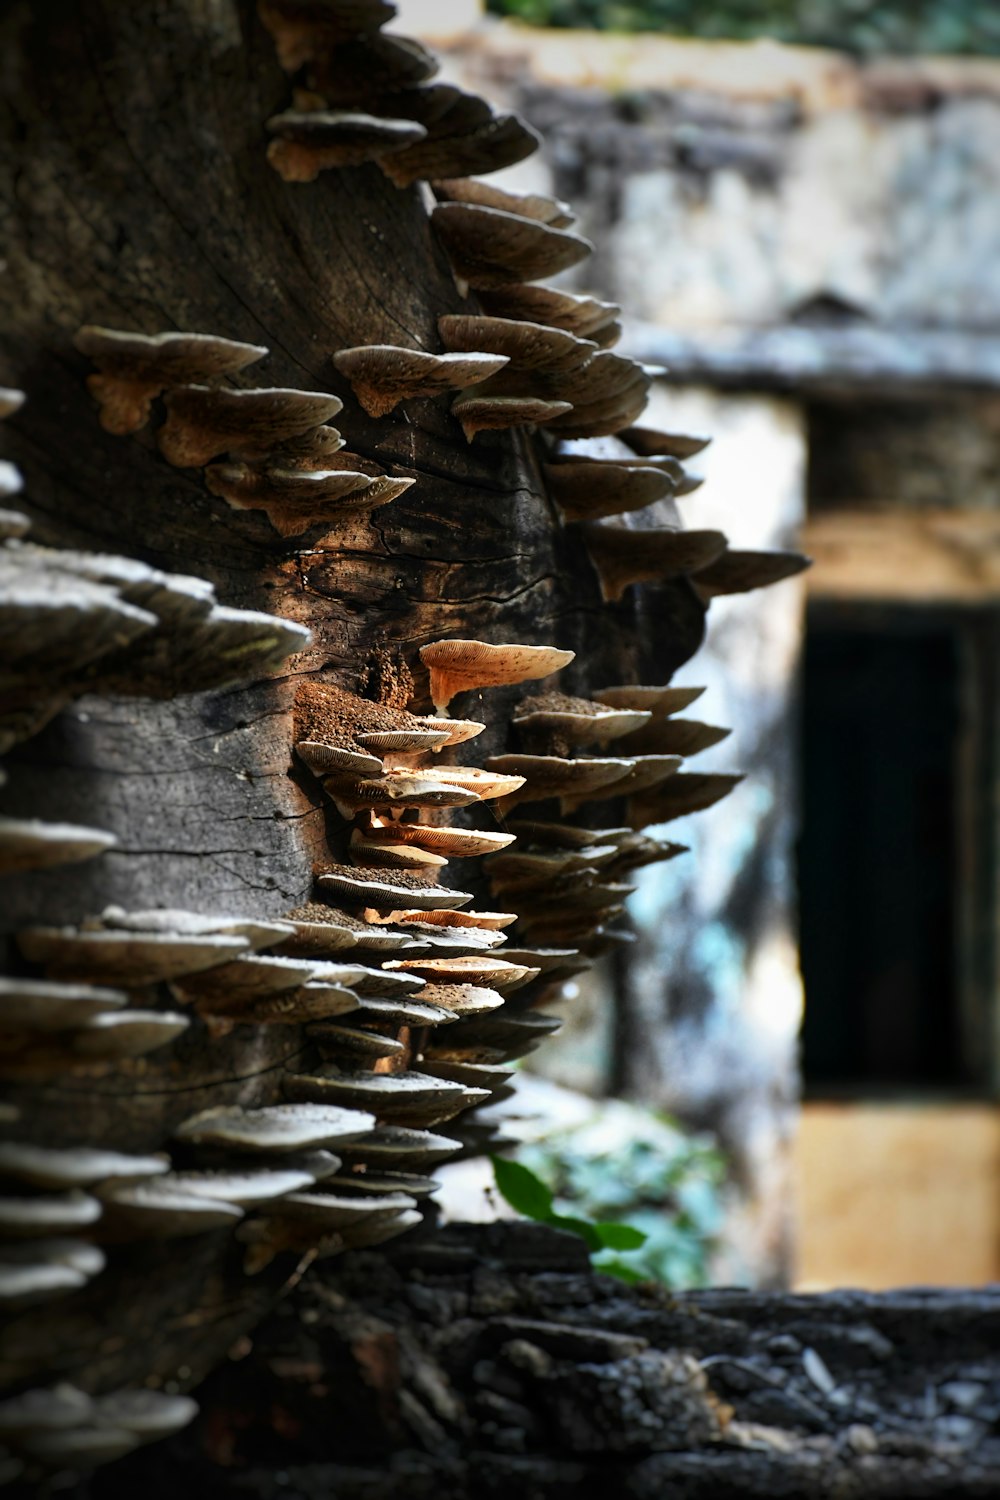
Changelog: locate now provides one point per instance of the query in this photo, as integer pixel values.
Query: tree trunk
(140, 197)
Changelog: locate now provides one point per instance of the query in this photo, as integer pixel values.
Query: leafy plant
(645, 1195)
(855, 25)
(529, 1196)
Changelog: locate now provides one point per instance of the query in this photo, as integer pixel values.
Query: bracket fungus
(585, 492)
(382, 375)
(485, 413)
(526, 346)
(133, 368)
(204, 422)
(564, 720)
(462, 666)
(648, 442)
(489, 247)
(307, 142)
(737, 572)
(295, 499)
(585, 316)
(529, 205)
(623, 555)
(304, 29)
(659, 701)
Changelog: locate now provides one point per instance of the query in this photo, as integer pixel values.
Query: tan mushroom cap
(56, 1167)
(42, 1005)
(408, 1098)
(277, 1128)
(456, 731)
(669, 736)
(491, 921)
(529, 205)
(303, 29)
(367, 847)
(622, 555)
(446, 843)
(489, 247)
(246, 978)
(29, 844)
(11, 401)
(295, 499)
(156, 1210)
(485, 413)
(310, 141)
(582, 315)
(127, 1033)
(126, 958)
(648, 771)
(399, 787)
(333, 760)
(586, 492)
(519, 872)
(564, 835)
(578, 721)
(382, 375)
(204, 422)
(383, 891)
(737, 572)
(334, 1040)
(660, 701)
(391, 1145)
(47, 1214)
(648, 442)
(394, 741)
(686, 792)
(406, 1010)
(366, 67)
(135, 367)
(12, 522)
(42, 1268)
(459, 666)
(477, 969)
(466, 137)
(552, 776)
(258, 932)
(527, 346)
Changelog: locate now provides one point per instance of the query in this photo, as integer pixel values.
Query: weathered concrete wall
(733, 188)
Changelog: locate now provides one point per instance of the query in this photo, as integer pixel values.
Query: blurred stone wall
(753, 186)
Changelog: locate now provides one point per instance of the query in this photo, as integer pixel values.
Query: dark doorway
(878, 856)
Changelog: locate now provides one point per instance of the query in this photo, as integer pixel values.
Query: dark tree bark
(493, 1361)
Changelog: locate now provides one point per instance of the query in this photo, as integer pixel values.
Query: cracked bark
(490, 1360)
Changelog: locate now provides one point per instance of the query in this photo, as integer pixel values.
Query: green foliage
(865, 26)
(529, 1196)
(645, 1196)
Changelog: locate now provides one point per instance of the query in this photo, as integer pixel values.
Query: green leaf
(620, 1236)
(622, 1272)
(522, 1189)
(582, 1227)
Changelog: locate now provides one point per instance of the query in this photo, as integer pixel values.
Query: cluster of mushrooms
(407, 1003)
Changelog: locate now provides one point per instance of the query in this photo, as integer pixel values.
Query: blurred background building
(808, 239)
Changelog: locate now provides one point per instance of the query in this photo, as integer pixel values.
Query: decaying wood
(491, 1360)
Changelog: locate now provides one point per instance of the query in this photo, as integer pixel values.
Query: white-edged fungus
(622, 555)
(307, 142)
(461, 666)
(275, 1128)
(204, 422)
(133, 368)
(489, 247)
(382, 375)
